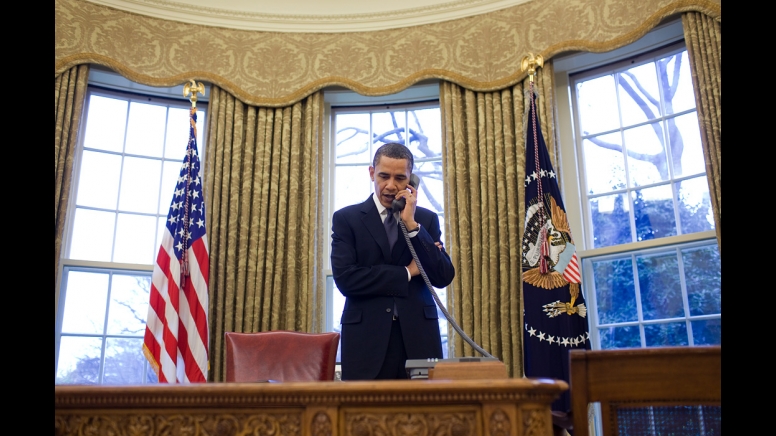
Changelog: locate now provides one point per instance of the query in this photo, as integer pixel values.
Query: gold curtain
(484, 161)
(263, 188)
(69, 96)
(703, 36)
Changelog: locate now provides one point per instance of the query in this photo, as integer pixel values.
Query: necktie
(390, 229)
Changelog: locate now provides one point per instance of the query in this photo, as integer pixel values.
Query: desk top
(214, 395)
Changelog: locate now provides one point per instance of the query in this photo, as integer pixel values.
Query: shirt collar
(380, 208)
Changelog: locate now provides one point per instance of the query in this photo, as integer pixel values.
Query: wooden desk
(358, 408)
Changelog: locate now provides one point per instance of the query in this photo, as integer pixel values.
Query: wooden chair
(280, 355)
(648, 391)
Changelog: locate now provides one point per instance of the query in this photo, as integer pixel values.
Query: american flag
(176, 335)
(554, 307)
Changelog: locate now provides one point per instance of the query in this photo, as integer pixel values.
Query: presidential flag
(176, 335)
(554, 308)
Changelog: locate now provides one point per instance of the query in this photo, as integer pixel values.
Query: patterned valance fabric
(273, 69)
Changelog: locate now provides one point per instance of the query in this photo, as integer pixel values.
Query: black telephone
(398, 204)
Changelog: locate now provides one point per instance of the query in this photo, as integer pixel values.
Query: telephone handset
(398, 204)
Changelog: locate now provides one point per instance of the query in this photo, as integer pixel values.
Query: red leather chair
(280, 355)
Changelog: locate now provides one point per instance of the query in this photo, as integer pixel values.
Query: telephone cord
(436, 297)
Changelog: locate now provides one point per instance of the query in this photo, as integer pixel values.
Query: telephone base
(419, 369)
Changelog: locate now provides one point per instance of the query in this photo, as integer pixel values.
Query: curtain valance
(273, 69)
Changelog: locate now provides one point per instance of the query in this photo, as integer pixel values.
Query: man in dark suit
(389, 315)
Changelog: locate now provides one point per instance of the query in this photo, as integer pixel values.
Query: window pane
(135, 237)
(105, 123)
(86, 298)
(615, 291)
(647, 160)
(140, 185)
(703, 279)
(639, 95)
(145, 130)
(124, 361)
(682, 90)
(707, 332)
(597, 102)
(425, 128)
(92, 237)
(695, 210)
(388, 127)
(128, 304)
(666, 335)
(151, 377)
(161, 228)
(604, 165)
(619, 337)
(171, 172)
(661, 291)
(352, 185)
(178, 133)
(653, 209)
(442, 294)
(79, 360)
(98, 183)
(338, 304)
(353, 138)
(610, 220)
(685, 138)
(431, 189)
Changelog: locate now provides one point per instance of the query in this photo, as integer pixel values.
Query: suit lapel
(374, 225)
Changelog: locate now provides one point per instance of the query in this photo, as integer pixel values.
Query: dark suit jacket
(372, 279)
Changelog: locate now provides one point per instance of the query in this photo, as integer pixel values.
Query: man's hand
(413, 268)
(410, 194)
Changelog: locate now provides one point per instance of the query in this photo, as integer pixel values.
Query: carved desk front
(354, 408)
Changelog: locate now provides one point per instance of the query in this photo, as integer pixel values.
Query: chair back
(658, 391)
(280, 355)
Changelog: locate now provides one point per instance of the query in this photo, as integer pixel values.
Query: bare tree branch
(646, 94)
(657, 127)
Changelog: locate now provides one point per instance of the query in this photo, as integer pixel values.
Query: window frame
(668, 36)
(104, 82)
(423, 95)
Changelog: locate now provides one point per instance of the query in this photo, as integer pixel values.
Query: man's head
(390, 171)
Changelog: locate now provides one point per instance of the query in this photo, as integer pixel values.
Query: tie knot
(389, 216)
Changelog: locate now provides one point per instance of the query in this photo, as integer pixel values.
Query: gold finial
(193, 87)
(531, 62)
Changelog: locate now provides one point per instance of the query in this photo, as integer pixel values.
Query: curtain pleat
(703, 37)
(484, 162)
(69, 96)
(264, 218)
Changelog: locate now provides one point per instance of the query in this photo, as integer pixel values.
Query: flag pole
(192, 87)
(530, 62)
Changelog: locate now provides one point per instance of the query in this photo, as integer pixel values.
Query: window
(128, 159)
(650, 260)
(357, 132)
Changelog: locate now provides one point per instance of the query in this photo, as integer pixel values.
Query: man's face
(390, 176)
